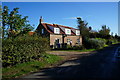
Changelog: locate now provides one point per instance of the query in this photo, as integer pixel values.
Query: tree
(82, 25)
(90, 28)
(104, 32)
(14, 23)
(116, 36)
(4, 19)
(84, 31)
(0, 21)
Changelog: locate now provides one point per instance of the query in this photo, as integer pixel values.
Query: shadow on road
(95, 66)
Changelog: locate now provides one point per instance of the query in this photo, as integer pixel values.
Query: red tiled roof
(58, 26)
(66, 27)
(31, 33)
(46, 27)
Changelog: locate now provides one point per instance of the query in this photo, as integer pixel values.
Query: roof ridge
(59, 25)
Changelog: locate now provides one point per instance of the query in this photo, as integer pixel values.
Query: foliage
(82, 25)
(95, 43)
(0, 13)
(22, 49)
(111, 41)
(0, 20)
(77, 47)
(14, 23)
(85, 32)
(105, 32)
(32, 66)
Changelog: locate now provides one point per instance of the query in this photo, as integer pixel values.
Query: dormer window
(77, 32)
(56, 30)
(68, 31)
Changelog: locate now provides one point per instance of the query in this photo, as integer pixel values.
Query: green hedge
(77, 47)
(23, 49)
(95, 43)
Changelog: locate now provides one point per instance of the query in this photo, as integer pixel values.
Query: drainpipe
(63, 43)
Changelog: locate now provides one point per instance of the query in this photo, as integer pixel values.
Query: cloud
(71, 18)
(83, 17)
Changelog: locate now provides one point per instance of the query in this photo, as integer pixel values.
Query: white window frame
(77, 32)
(68, 31)
(56, 30)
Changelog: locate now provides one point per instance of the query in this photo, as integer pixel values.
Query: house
(31, 33)
(59, 35)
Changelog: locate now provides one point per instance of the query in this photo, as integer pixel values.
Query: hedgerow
(95, 43)
(23, 49)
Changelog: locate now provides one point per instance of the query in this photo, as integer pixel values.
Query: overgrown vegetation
(95, 43)
(23, 68)
(25, 54)
(95, 39)
(22, 53)
(23, 49)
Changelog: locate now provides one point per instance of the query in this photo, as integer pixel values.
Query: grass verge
(45, 61)
(84, 50)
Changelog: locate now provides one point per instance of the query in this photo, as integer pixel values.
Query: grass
(84, 50)
(20, 69)
(45, 61)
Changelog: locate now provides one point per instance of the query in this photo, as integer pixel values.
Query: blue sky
(60, 0)
(64, 13)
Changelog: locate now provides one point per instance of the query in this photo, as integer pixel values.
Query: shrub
(80, 47)
(95, 43)
(22, 49)
(109, 42)
(76, 47)
(112, 41)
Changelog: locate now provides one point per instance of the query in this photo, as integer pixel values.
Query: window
(57, 41)
(78, 41)
(68, 31)
(56, 30)
(77, 32)
(68, 41)
(43, 31)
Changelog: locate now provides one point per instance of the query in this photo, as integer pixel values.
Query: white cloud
(71, 18)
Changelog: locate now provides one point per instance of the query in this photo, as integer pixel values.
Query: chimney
(41, 20)
(53, 24)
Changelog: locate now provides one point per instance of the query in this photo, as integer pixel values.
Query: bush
(76, 47)
(22, 49)
(109, 42)
(80, 47)
(112, 41)
(95, 43)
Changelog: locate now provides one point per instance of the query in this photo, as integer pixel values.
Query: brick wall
(74, 39)
(53, 37)
(39, 30)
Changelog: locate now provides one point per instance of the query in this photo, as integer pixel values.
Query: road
(101, 64)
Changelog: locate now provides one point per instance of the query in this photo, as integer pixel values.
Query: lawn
(84, 50)
(24, 68)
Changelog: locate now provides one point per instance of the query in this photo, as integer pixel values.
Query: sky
(60, 0)
(65, 13)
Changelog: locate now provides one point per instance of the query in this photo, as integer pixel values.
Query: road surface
(101, 64)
